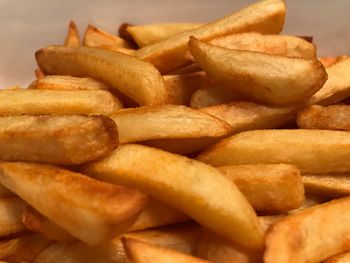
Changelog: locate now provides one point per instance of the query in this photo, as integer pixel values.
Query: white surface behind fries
(28, 25)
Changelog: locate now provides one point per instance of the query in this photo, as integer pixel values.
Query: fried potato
(312, 151)
(95, 37)
(268, 187)
(340, 258)
(332, 185)
(39, 74)
(136, 79)
(333, 117)
(63, 140)
(281, 80)
(72, 38)
(23, 248)
(329, 61)
(265, 17)
(187, 185)
(11, 209)
(38, 102)
(4, 192)
(90, 210)
(167, 121)
(139, 251)
(311, 235)
(181, 87)
(186, 69)
(337, 87)
(244, 116)
(289, 46)
(310, 201)
(124, 34)
(145, 35)
(213, 96)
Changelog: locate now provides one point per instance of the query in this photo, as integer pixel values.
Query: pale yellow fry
(340, 258)
(72, 38)
(332, 185)
(212, 96)
(11, 209)
(272, 79)
(168, 121)
(266, 17)
(139, 251)
(187, 185)
(311, 235)
(90, 210)
(38, 102)
(63, 140)
(135, 78)
(312, 151)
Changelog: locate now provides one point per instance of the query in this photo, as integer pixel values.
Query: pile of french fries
(219, 142)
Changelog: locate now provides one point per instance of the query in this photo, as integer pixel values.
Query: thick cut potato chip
(90, 210)
(188, 185)
(167, 121)
(213, 96)
(272, 79)
(340, 258)
(135, 78)
(311, 235)
(139, 251)
(11, 209)
(268, 187)
(244, 116)
(332, 185)
(333, 117)
(72, 38)
(312, 151)
(63, 140)
(265, 17)
(38, 102)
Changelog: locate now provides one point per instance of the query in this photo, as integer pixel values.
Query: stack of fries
(161, 145)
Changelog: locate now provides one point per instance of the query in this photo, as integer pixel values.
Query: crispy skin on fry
(139, 251)
(11, 209)
(340, 258)
(261, 77)
(188, 185)
(72, 38)
(38, 102)
(213, 96)
(167, 121)
(90, 210)
(268, 187)
(332, 185)
(312, 151)
(63, 140)
(265, 17)
(311, 235)
(333, 117)
(135, 78)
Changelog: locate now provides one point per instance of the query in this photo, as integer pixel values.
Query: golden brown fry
(23, 248)
(213, 96)
(333, 117)
(90, 210)
(167, 121)
(72, 38)
(281, 80)
(244, 116)
(329, 61)
(332, 185)
(139, 251)
(63, 140)
(310, 201)
(135, 78)
(149, 34)
(11, 209)
(312, 151)
(268, 187)
(187, 185)
(265, 17)
(186, 69)
(4, 192)
(38, 102)
(340, 258)
(123, 33)
(39, 74)
(311, 235)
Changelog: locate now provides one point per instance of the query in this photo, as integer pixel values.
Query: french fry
(333, 117)
(265, 17)
(244, 116)
(72, 38)
(4, 192)
(311, 235)
(161, 174)
(24, 248)
(167, 121)
(268, 187)
(149, 34)
(340, 258)
(136, 79)
(329, 61)
(63, 140)
(312, 151)
(282, 80)
(310, 201)
(123, 33)
(39, 74)
(11, 209)
(337, 87)
(138, 251)
(38, 102)
(333, 185)
(186, 69)
(213, 96)
(90, 210)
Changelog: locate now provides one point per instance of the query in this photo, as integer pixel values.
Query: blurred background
(28, 25)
